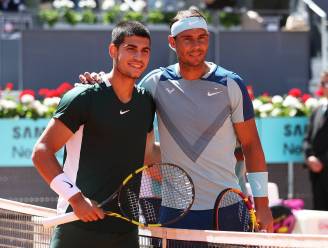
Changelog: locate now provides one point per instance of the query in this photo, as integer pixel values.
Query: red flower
(319, 92)
(64, 87)
(9, 86)
(250, 91)
(52, 93)
(43, 92)
(295, 92)
(305, 97)
(265, 94)
(26, 92)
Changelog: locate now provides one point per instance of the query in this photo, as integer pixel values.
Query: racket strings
(158, 185)
(149, 212)
(177, 189)
(234, 201)
(133, 203)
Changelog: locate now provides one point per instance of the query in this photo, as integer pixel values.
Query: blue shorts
(204, 219)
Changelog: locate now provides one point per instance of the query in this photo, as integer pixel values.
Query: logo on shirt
(170, 90)
(70, 185)
(124, 112)
(214, 93)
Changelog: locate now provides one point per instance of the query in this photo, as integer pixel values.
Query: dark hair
(128, 28)
(185, 14)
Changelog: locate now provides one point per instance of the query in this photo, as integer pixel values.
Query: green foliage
(72, 17)
(155, 16)
(88, 16)
(207, 16)
(168, 16)
(133, 16)
(49, 16)
(111, 15)
(229, 19)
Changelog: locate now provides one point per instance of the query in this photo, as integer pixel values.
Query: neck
(193, 72)
(122, 85)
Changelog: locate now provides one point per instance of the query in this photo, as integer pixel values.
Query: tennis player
(202, 110)
(104, 128)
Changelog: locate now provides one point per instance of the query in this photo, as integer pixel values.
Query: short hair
(126, 29)
(182, 14)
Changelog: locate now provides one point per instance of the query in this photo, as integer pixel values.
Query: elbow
(38, 154)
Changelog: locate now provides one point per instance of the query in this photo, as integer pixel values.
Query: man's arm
(255, 162)
(52, 140)
(152, 152)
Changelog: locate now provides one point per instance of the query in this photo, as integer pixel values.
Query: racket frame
(246, 200)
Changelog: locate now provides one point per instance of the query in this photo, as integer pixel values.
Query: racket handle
(59, 219)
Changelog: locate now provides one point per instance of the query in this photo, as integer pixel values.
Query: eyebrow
(134, 46)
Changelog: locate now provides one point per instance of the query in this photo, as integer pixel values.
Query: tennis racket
(141, 195)
(233, 211)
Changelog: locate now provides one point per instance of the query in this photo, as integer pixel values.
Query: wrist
(76, 199)
(261, 202)
(258, 182)
(64, 187)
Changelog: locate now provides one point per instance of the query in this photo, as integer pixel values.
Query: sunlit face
(191, 46)
(131, 58)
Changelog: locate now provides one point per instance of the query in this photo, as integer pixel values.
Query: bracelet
(63, 186)
(259, 183)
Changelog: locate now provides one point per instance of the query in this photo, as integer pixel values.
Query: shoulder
(80, 95)
(143, 92)
(152, 77)
(161, 74)
(77, 92)
(223, 76)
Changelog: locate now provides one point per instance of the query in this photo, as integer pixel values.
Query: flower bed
(28, 104)
(295, 103)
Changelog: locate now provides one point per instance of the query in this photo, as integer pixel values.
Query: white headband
(188, 23)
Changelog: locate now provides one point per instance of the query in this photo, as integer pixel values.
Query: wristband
(63, 186)
(259, 183)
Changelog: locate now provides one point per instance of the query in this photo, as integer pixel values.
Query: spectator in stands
(316, 150)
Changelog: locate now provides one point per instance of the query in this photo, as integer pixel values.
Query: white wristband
(63, 186)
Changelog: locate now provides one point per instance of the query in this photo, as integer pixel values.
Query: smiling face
(131, 58)
(191, 46)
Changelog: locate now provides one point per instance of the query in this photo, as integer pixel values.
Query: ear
(113, 50)
(171, 41)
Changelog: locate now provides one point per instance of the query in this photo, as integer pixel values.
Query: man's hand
(85, 209)
(314, 164)
(263, 214)
(92, 78)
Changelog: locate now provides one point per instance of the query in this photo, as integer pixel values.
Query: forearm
(153, 154)
(46, 162)
(255, 162)
(254, 157)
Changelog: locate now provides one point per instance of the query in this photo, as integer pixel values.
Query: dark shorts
(204, 219)
(71, 236)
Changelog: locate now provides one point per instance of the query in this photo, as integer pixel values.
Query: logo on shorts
(70, 185)
(124, 112)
